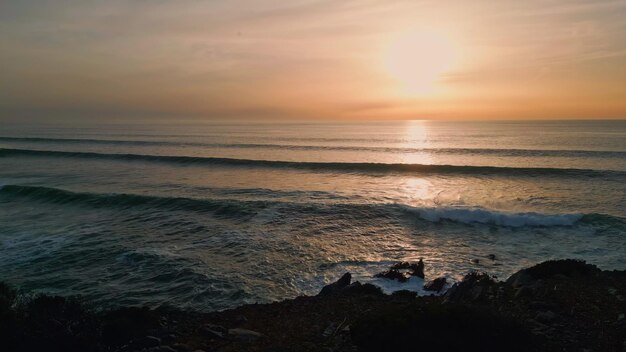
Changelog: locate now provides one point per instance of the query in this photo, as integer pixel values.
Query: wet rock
(243, 335)
(393, 274)
(336, 286)
(401, 265)
(436, 285)
(418, 270)
(414, 269)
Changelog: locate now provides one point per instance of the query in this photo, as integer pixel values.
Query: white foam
(484, 216)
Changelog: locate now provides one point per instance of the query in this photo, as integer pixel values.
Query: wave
(382, 149)
(356, 167)
(497, 218)
(225, 208)
(246, 209)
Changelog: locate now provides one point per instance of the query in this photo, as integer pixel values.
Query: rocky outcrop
(336, 286)
(437, 285)
(410, 269)
(474, 287)
(553, 306)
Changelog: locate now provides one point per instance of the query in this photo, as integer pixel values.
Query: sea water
(210, 215)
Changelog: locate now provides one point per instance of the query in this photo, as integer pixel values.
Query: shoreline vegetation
(559, 305)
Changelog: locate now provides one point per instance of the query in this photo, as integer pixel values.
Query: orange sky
(313, 59)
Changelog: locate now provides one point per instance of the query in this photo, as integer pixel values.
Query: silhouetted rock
(401, 265)
(356, 288)
(413, 326)
(436, 285)
(393, 274)
(405, 294)
(125, 324)
(336, 286)
(474, 287)
(551, 268)
(418, 270)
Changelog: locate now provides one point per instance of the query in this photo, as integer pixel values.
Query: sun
(417, 59)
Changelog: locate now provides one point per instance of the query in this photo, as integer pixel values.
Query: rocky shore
(564, 305)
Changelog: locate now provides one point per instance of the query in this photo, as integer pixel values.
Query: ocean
(211, 215)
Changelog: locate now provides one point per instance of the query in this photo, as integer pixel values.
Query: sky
(368, 59)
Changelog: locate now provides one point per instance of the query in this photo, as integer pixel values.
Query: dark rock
(243, 335)
(524, 292)
(122, 325)
(414, 269)
(418, 270)
(336, 286)
(239, 320)
(401, 265)
(551, 268)
(162, 349)
(214, 331)
(475, 261)
(399, 328)
(436, 285)
(145, 342)
(168, 339)
(217, 328)
(491, 256)
(181, 347)
(330, 330)
(546, 317)
(405, 294)
(543, 306)
(356, 288)
(474, 287)
(393, 274)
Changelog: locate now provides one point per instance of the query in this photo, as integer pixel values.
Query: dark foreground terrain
(563, 305)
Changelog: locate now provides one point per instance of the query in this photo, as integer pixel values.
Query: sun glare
(417, 59)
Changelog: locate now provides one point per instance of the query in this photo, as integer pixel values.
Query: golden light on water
(417, 137)
(417, 59)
